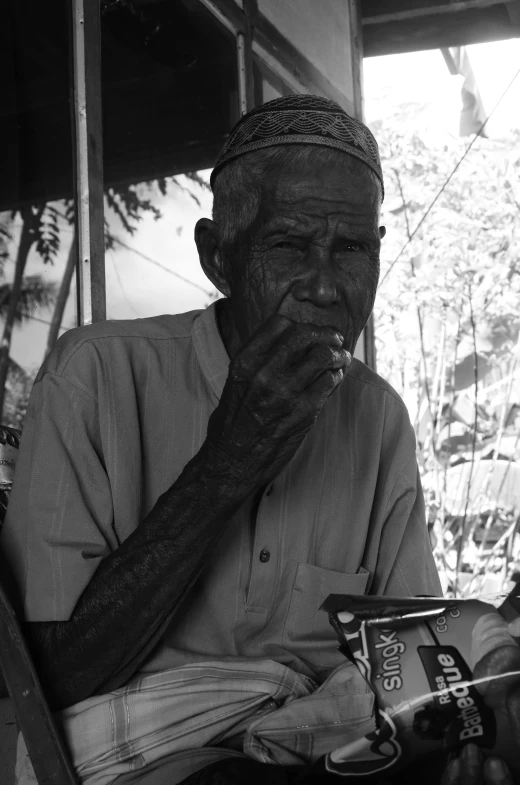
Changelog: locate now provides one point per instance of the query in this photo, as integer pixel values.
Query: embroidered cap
(301, 119)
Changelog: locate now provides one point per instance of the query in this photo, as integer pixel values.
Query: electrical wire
(139, 315)
(444, 186)
(155, 262)
(45, 321)
(162, 266)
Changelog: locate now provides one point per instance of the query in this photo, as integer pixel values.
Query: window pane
(169, 101)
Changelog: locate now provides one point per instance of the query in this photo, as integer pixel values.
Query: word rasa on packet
(441, 671)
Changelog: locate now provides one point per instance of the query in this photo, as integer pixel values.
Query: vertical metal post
(89, 161)
(246, 92)
(242, 75)
(356, 50)
(239, 22)
(367, 337)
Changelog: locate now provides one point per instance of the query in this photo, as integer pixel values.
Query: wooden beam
(250, 14)
(43, 737)
(456, 29)
(268, 40)
(369, 343)
(421, 8)
(89, 161)
(367, 351)
(356, 55)
(280, 55)
(228, 13)
(178, 160)
(513, 10)
(280, 85)
(450, 62)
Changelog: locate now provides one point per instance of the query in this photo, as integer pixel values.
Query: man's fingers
(471, 765)
(324, 386)
(513, 710)
(497, 773)
(267, 336)
(470, 769)
(282, 336)
(451, 775)
(320, 359)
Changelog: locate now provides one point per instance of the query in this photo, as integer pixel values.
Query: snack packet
(441, 671)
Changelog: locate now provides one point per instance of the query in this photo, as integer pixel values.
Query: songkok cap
(301, 119)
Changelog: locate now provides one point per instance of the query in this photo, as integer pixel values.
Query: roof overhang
(397, 26)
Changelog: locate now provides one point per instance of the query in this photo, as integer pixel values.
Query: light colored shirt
(116, 412)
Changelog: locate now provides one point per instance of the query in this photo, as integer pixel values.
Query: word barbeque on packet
(440, 670)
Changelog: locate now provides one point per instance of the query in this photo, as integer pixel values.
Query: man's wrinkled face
(313, 252)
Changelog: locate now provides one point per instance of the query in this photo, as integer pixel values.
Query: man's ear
(382, 232)
(210, 256)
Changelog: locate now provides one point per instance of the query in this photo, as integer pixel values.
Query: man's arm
(134, 589)
(276, 387)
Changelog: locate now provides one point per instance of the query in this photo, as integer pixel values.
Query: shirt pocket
(307, 630)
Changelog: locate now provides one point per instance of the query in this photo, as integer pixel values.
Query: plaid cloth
(201, 713)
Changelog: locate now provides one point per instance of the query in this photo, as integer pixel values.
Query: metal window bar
(89, 161)
(239, 25)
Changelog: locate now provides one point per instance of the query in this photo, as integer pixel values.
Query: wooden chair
(45, 745)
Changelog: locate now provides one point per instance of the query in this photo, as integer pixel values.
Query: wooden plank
(268, 41)
(513, 11)
(8, 736)
(374, 13)
(280, 55)
(365, 350)
(458, 29)
(320, 31)
(89, 161)
(180, 159)
(228, 13)
(47, 750)
(450, 62)
(250, 13)
(356, 55)
(369, 343)
(278, 84)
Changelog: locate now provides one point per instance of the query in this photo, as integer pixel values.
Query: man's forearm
(135, 589)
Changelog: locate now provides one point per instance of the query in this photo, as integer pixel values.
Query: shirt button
(269, 490)
(264, 555)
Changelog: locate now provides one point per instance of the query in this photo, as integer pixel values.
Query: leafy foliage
(447, 327)
(36, 293)
(18, 390)
(42, 230)
(6, 236)
(129, 206)
(48, 239)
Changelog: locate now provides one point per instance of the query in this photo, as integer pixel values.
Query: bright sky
(423, 78)
(136, 287)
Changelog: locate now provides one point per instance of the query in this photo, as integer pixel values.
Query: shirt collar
(212, 354)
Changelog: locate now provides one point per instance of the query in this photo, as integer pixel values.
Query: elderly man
(190, 488)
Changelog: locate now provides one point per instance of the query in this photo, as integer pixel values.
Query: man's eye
(285, 244)
(351, 245)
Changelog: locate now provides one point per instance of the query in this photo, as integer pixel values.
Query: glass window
(169, 100)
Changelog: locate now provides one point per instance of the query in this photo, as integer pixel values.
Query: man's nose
(318, 285)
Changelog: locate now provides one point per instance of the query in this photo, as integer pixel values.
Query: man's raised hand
(277, 384)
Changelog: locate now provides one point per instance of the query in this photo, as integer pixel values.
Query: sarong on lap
(209, 711)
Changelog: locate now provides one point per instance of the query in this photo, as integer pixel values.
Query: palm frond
(35, 293)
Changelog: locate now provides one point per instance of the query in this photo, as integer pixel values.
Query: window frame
(261, 50)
